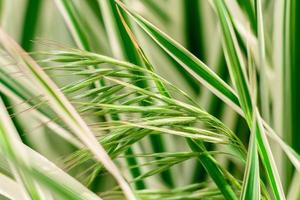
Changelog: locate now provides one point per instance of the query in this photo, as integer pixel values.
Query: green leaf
(188, 61)
(68, 11)
(123, 48)
(10, 188)
(64, 109)
(238, 76)
(268, 160)
(213, 169)
(16, 155)
(52, 177)
(73, 21)
(235, 61)
(56, 179)
(251, 187)
(197, 69)
(164, 99)
(30, 23)
(19, 91)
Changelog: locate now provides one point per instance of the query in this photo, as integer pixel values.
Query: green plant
(127, 112)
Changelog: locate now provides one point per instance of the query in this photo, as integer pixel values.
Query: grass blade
(188, 61)
(19, 91)
(30, 21)
(294, 190)
(194, 66)
(16, 155)
(73, 21)
(207, 160)
(122, 48)
(207, 77)
(158, 142)
(268, 161)
(63, 107)
(264, 87)
(238, 76)
(235, 62)
(9, 188)
(53, 177)
(68, 11)
(291, 30)
(251, 188)
(214, 171)
(56, 179)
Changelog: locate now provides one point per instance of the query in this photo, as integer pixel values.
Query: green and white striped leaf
(16, 155)
(63, 107)
(251, 181)
(10, 188)
(188, 61)
(18, 91)
(200, 71)
(238, 75)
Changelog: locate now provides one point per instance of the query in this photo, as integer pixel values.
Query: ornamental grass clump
(149, 100)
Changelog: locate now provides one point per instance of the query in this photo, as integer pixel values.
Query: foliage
(128, 99)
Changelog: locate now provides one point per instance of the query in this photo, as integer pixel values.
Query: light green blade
(17, 90)
(238, 76)
(251, 186)
(235, 61)
(197, 69)
(10, 188)
(67, 9)
(64, 109)
(16, 155)
(188, 61)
